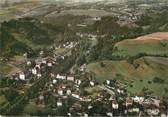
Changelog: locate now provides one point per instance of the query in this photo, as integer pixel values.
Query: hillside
(21, 36)
(155, 44)
(142, 74)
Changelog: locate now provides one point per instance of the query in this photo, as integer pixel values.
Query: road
(105, 88)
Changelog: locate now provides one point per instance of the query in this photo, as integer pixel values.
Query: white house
(41, 52)
(69, 114)
(39, 75)
(41, 97)
(90, 107)
(135, 110)
(22, 76)
(37, 66)
(44, 61)
(115, 105)
(60, 91)
(68, 92)
(86, 115)
(109, 114)
(60, 77)
(54, 81)
(70, 78)
(49, 64)
(28, 63)
(59, 103)
(92, 83)
(75, 95)
(78, 82)
(34, 71)
(138, 99)
(108, 82)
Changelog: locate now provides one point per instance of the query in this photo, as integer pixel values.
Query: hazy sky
(11, 1)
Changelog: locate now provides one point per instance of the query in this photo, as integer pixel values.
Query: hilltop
(155, 44)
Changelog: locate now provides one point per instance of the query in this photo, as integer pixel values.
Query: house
(38, 66)
(62, 77)
(41, 97)
(70, 78)
(63, 86)
(49, 64)
(138, 99)
(21, 76)
(69, 114)
(90, 107)
(41, 52)
(163, 115)
(82, 67)
(96, 18)
(44, 61)
(81, 25)
(92, 83)
(68, 92)
(34, 71)
(59, 103)
(78, 82)
(60, 91)
(25, 55)
(129, 101)
(85, 99)
(28, 63)
(134, 110)
(156, 102)
(153, 112)
(112, 98)
(110, 83)
(52, 75)
(86, 115)
(76, 95)
(115, 105)
(54, 81)
(39, 75)
(110, 114)
(15, 76)
(120, 91)
(51, 85)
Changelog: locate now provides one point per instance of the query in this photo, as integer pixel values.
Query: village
(48, 48)
(79, 94)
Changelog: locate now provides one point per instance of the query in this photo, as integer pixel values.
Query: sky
(11, 1)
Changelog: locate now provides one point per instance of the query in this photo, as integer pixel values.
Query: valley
(84, 58)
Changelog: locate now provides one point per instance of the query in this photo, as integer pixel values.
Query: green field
(139, 77)
(5, 68)
(2, 99)
(132, 48)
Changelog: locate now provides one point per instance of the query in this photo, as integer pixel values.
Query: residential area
(77, 58)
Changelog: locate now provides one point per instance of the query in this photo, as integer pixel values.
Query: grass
(131, 48)
(93, 91)
(30, 108)
(2, 99)
(60, 51)
(5, 68)
(127, 73)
